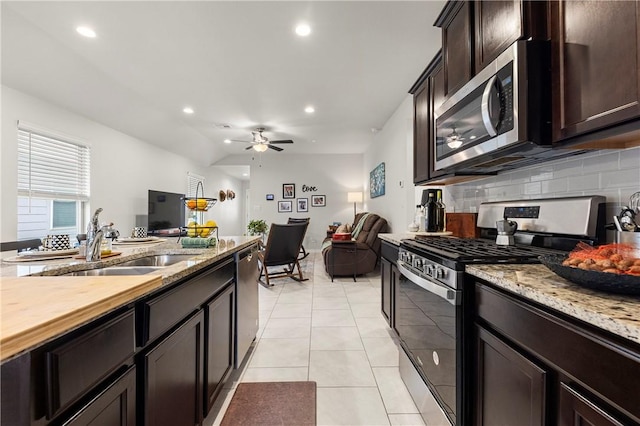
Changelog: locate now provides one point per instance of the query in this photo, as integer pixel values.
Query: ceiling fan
(454, 139)
(260, 142)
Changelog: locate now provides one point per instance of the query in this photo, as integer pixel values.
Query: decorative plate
(603, 281)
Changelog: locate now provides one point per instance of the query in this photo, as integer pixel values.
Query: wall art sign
(376, 181)
(303, 204)
(308, 188)
(288, 190)
(318, 201)
(284, 207)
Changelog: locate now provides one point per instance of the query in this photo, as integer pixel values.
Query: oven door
(428, 320)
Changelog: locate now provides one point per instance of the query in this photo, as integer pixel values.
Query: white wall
(332, 175)
(123, 168)
(393, 144)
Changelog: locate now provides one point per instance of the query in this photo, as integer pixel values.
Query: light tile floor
(334, 334)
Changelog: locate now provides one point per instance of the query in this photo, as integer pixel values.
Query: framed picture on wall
(284, 207)
(303, 204)
(288, 190)
(318, 201)
(376, 181)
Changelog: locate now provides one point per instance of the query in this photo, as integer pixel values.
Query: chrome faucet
(94, 238)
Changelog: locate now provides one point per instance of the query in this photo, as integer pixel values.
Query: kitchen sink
(141, 266)
(155, 260)
(117, 270)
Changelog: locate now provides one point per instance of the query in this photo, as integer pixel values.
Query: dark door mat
(272, 403)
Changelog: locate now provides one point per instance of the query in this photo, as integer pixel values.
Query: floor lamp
(354, 197)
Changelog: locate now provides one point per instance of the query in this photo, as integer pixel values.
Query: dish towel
(198, 242)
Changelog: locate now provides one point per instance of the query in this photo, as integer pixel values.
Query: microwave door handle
(486, 117)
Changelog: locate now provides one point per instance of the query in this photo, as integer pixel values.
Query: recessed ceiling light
(227, 141)
(86, 31)
(303, 30)
(187, 110)
(313, 141)
(309, 109)
(245, 174)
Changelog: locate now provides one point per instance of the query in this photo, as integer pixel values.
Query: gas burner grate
(481, 251)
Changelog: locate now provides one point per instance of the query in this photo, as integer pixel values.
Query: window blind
(51, 167)
(192, 185)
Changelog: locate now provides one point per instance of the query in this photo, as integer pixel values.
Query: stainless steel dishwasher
(247, 275)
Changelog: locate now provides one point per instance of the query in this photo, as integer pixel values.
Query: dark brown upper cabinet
(425, 92)
(595, 66)
(498, 24)
(457, 47)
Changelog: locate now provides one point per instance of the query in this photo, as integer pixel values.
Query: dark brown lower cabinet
(115, 406)
(385, 279)
(511, 388)
(535, 366)
(576, 410)
(173, 376)
(219, 350)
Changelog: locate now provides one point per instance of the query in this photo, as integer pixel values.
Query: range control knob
(417, 263)
(440, 273)
(429, 269)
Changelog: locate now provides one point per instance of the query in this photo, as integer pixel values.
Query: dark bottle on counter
(431, 213)
(441, 216)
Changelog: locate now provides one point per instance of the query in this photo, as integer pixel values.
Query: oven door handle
(451, 296)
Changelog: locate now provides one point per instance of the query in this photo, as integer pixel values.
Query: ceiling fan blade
(277, 148)
(282, 141)
(249, 147)
(237, 140)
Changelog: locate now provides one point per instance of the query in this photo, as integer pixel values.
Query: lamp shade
(260, 147)
(354, 197)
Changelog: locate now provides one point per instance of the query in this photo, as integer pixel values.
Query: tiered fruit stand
(197, 206)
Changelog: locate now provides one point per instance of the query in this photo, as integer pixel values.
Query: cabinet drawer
(389, 251)
(74, 367)
(163, 312)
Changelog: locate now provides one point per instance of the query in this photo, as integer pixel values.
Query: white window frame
(54, 166)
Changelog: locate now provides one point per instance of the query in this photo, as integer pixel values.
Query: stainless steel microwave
(501, 118)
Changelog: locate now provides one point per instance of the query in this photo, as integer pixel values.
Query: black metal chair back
(20, 245)
(283, 249)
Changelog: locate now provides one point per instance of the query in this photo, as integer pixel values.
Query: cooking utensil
(506, 228)
(616, 222)
(603, 281)
(634, 202)
(627, 219)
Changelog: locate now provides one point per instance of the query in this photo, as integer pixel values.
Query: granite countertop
(38, 303)
(618, 314)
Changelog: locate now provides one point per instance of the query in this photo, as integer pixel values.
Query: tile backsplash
(614, 174)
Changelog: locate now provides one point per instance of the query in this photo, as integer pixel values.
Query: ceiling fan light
(454, 144)
(260, 147)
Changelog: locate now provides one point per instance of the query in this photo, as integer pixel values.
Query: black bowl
(603, 281)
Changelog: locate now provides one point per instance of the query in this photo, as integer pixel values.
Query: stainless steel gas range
(433, 315)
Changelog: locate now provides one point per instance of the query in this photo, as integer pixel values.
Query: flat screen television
(166, 213)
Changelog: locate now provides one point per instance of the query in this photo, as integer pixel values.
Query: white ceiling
(238, 63)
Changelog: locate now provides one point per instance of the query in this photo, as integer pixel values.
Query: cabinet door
(115, 406)
(218, 344)
(595, 65)
(386, 280)
(510, 389)
(456, 46)
(437, 98)
(577, 409)
(173, 374)
(497, 25)
(421, 123)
